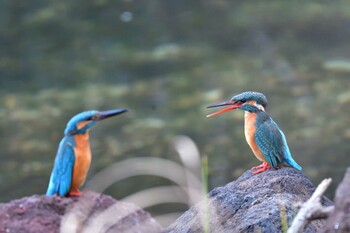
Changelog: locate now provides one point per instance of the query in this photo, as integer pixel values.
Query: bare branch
(312, 209)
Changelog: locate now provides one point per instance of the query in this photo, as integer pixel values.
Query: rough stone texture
(253, 203)
(91, 212)
(339, 220)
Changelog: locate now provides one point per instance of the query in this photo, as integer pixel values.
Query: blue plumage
(263, 135)
(272, 142)
(72, 125)
(62, 176)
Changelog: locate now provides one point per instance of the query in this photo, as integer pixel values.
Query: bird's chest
(249, 133)
(82, 162)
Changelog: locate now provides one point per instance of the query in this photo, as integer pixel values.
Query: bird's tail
(51, 189)
(292, 163)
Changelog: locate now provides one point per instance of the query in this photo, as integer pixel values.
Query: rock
(266, 202)
(92, 212)
(339, 220)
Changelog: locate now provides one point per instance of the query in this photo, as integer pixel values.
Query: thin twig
(312, 209)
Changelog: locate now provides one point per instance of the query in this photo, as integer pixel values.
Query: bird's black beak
(109, 113)
(232, 106)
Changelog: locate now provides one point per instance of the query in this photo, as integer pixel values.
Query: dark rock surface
(91, 212)
(266, 202)
(339, 220)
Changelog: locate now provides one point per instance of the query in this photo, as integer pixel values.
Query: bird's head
(247, 101)
(83, 121)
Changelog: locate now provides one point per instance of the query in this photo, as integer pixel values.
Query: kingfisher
(262, 134)
(73, 156)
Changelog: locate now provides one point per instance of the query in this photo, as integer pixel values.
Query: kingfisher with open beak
(262, 134)
(73, 157)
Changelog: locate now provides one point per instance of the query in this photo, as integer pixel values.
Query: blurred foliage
(166, 61)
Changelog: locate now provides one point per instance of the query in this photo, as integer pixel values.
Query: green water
(166, 61)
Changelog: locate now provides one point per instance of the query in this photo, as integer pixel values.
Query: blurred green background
(166, 61)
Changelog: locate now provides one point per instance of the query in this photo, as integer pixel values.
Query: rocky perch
(92, 212)
(266, 202)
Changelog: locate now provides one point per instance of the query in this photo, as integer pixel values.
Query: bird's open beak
(109, 113)
(232, 106)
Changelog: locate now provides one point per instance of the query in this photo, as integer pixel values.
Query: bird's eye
(242, 101)
(92, 118)
(95, 117)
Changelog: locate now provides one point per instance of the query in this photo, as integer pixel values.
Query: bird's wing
(270, 141)
(61, 175)
(288, 159)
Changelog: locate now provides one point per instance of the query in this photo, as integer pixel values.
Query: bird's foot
(260, 166)
(76, 193)
(263, 167)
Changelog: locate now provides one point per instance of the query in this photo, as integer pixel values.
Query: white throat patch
(258, 106)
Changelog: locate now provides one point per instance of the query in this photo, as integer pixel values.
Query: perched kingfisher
(263, 135)
(73, 156)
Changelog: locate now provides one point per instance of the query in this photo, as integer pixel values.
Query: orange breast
(249, 132)
(82, 160)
